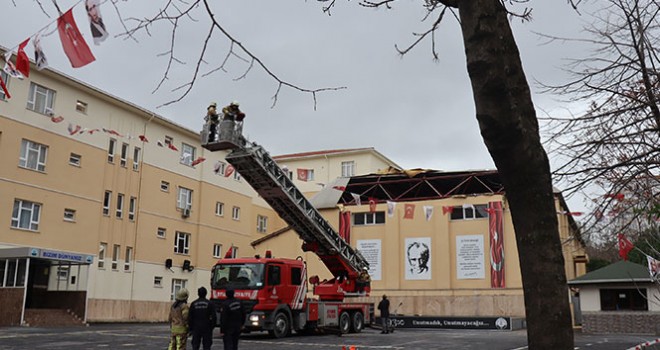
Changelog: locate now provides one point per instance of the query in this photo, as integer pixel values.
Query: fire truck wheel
(280, 326)
(357, 322)
(344, 322)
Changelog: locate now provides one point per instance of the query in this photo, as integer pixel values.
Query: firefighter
(232, 318)
(363, 279)
(232, 112)
(201, 321)
(178, 320)
(212, 119)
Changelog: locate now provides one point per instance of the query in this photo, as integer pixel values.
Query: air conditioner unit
(185, 212)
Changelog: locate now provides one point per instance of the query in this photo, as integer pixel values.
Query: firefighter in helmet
(178, 320)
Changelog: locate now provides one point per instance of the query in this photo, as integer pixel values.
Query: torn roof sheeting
(420, 184)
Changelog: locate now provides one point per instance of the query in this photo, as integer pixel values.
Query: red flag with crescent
(496, 228)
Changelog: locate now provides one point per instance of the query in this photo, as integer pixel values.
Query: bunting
(302, 174)
(39, 55)
(372, 205)
(390, 208)
(73, 43)
(4, 88)
(428, 212)
(22, 60)
(229, 170)
(654, 267)
(198, 160)
(409, 211)
(447, 209)
(356, 198)
(143, 138)
(57, 119)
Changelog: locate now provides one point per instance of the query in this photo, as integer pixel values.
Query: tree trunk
(510, 131)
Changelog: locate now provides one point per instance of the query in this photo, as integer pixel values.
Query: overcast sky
(416, 111)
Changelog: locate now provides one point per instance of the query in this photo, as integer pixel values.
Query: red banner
(496, 231)
(345, 225)
(409, 211)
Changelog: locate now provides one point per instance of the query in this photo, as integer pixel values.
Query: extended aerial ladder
(272, 183)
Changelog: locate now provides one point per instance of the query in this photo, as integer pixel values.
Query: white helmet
(234, 103)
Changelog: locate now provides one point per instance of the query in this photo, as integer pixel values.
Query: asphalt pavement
(156, 336)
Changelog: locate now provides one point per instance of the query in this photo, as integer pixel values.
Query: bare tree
(613, 150)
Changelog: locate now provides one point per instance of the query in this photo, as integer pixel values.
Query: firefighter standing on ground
(201, 320)
(232, 318)
(178, 320)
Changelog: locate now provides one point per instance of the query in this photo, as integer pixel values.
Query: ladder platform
(221, 145)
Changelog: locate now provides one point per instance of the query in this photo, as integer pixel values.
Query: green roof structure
(619, 272)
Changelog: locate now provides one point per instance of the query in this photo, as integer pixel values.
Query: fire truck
(274, 290)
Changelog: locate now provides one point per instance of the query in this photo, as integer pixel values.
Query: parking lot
(155, 336)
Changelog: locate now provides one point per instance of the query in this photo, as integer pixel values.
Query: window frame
(165, 186)
(368, 218)
(72, 215)
(475, 211)
(48, 99)
(132, 203)
(112, 145)
(107, 203)
(177, 284)
(236, 213)
(217, 250)
(28, 149)
(128, 256)
(190, 150)
(116, 252)
(182, 243)
(636, 299)
(262, 223)
(184, 194)
(119, 210)
(348, 168)
(124, 154)
(219, 209)
(103, 248)
(17, 214)
(163, 230)
(137, 151)
(75, 159)
(81, 107)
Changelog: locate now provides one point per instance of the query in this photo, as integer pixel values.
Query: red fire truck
(273, 290)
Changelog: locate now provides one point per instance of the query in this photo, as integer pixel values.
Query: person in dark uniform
(384, 307)
(232, 318)
(201, 320)
(212, 119)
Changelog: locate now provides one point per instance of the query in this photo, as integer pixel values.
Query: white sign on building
(470, 257)
(371, 251)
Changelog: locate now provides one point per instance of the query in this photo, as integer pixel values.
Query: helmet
(365, 268)
(213, 104)
(234, 103)
(182, 294)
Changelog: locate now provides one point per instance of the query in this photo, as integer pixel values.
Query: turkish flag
(22, 60)
(57, 119)
(73, 43)
(4, 88)
(625, 246)
(172, 147)
(409, 211)
(302, 174)
(372, 205)
(143, 138)
(198, 160)
(447, 209)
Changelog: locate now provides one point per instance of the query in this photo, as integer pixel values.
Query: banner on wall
(418, 258)
(470, 257)
(371, 251)
(496, 233)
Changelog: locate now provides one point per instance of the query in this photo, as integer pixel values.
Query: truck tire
(357, 322)
(281, 326)
(344, 322)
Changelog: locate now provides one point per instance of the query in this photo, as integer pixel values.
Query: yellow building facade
(102, 211)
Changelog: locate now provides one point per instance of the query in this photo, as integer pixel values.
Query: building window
(234, 252)
(127, 258)
(101, 260)
(12, 272)
(187, 154)
(348, 169)
(631, 299)
(219, 209)
(63, 273)
(41, 99)
(25, 215)
(219, 168)
(131, 208)
(69, 215)
(81, 107)
(217, 250)
(161, 232)
(124, 154)
(33, 155)
(182, 243)
(376, 218)
(177, 284)
(469, 212)
(115, 256)
(237, 176)
(5, 78)
(158, 281)
(75, 159)
(236, 213)
(169, 140)
(184, 200)
(262, 223)
(120, 206)
(107, 199)
(111, 150)
(164, 186)
(136, 158)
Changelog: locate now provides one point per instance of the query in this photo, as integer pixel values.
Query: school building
(107, 209)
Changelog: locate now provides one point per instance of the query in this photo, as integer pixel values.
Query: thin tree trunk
(510, 131)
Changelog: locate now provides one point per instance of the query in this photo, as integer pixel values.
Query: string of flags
(73, 43)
